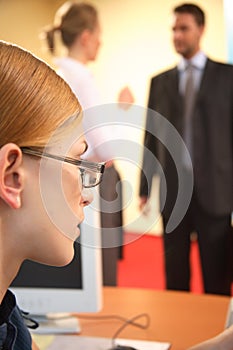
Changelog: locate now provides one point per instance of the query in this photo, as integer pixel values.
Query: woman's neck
(9, 267)
(7, 275)
(4, 284)
(77, 55)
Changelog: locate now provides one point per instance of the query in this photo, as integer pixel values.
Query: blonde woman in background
(77, 25)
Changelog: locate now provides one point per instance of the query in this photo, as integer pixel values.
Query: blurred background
(136, 44)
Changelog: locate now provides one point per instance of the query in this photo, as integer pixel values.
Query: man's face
(186, 34)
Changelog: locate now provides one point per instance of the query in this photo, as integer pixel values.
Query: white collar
(198, 61)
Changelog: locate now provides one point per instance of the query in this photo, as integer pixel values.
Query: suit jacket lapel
(208, 75)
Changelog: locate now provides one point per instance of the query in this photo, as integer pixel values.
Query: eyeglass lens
(89, 178)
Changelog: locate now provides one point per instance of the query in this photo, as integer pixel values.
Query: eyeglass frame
(81, 164)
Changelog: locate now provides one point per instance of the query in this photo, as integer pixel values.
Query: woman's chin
(77, 232)
(73, 234)
(64, 259)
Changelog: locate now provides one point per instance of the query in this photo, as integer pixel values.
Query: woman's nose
(87, 196)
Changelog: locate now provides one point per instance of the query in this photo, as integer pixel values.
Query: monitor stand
(56, 323)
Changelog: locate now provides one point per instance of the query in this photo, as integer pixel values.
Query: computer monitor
(41, 289)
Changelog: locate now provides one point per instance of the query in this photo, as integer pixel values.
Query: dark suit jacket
(212, 137)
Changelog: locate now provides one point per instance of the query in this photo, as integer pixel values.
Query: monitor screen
(77, 287)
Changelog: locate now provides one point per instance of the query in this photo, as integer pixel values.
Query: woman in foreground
(38, 110)
(41, 177)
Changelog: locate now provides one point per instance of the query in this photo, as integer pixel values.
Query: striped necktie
(189, 100)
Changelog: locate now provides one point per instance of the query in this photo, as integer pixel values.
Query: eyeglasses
(91, 173)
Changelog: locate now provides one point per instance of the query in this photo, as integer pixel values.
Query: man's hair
(194, 10)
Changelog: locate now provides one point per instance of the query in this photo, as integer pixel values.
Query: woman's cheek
(71, 186)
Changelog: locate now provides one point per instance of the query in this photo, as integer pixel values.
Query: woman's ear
(84, 37)
(11, 175)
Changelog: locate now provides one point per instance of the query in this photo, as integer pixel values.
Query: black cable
(117, 317)
(29, 321)
(131, 322)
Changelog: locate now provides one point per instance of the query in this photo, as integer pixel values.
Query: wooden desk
(180, 318)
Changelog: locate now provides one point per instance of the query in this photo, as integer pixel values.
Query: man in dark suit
(208, 135)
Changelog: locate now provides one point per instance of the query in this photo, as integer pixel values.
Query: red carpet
(142, 264)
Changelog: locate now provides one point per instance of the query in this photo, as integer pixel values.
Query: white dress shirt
(198, 62)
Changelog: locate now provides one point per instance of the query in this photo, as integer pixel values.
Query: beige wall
(136, 44)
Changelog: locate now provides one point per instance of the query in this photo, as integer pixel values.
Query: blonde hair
(34, 100)
(71, 19)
